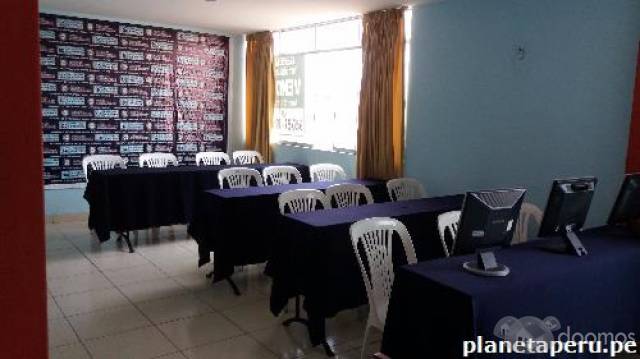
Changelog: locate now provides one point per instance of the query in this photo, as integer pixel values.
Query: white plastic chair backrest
(448, 221)
(239, 177)
(326, 172)
(302, 200)
(373, 236)
(101, 162)
(280, 175)
(212, 158)
(348, 194)
(247, 157)
(528, 212)
(402, 189)
(157, 160)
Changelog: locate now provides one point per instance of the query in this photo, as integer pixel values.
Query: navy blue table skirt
(314, 256)
(139, 198)
(434, 305)
(240, 225)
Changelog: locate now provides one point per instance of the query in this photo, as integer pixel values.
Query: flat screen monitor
(566, 212)
(488, 220)
(627, 206)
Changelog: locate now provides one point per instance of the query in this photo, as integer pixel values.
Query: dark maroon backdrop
(115, 88)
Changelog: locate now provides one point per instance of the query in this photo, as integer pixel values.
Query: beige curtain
(381, 112)
(260, 92)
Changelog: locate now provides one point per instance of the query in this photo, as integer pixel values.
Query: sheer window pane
(295, 41)
(339, 35)
(332, 97)
(318, 72)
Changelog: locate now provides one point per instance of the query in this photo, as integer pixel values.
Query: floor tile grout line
(131, 302)
(222, 314)
(240, 335)
(211, 343)
(64, 315)
(194, 292)
(181, 351)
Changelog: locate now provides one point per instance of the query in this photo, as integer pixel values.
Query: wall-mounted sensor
(520, 52)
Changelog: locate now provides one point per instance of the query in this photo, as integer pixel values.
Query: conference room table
(435, 305)
(240, 226)
(135, 198)
(314, 257)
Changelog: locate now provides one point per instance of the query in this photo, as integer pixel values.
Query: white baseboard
(66, 218)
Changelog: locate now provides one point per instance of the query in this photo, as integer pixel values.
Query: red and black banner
(115, 88)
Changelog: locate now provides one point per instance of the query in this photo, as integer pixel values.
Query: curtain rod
(329, 22)
(336, 21)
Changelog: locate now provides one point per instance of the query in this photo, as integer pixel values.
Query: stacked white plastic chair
(373, 236)
(348, 195)
(239, 177)
(212, 158)
(277, 175)
(448, 221)
(326, 172)
(157, 160)
(247, 157)
(101, 162)
(402, 189)
(528, 212)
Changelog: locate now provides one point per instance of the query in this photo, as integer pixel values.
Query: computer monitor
(488, 220)
(566, 212)
(627, 206)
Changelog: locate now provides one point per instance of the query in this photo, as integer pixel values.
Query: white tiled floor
(107, 303)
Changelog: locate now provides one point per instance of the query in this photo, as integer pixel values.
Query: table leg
(125, 236)
(233, 285)
(297, 318)
(316, 328)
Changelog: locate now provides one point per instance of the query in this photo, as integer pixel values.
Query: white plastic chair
(373, 236)
(101, 162)
(239, 177)
(402, 189)
(157, 160)
(280, 175)
(348, 194)
(326, 172)
(302, 200)
(247, 157)
(212, 158)
(448, 221)
(528, 212)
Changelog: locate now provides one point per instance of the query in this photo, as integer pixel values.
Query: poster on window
(115, 88)
(289, 106)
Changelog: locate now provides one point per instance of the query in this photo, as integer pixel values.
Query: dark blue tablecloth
(314, 256)
(139, 198)
(240, 225)
(434, 305)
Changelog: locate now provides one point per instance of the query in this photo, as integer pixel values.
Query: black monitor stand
(571, 244)
(486, 265)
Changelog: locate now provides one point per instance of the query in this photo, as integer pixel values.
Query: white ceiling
(223, 16)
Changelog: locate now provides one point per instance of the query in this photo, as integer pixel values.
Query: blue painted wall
(478, 117)
(64, 201)
(283, 153)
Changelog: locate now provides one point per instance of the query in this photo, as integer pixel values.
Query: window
(318, 72)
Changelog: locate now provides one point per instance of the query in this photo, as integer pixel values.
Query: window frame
(315, 50)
